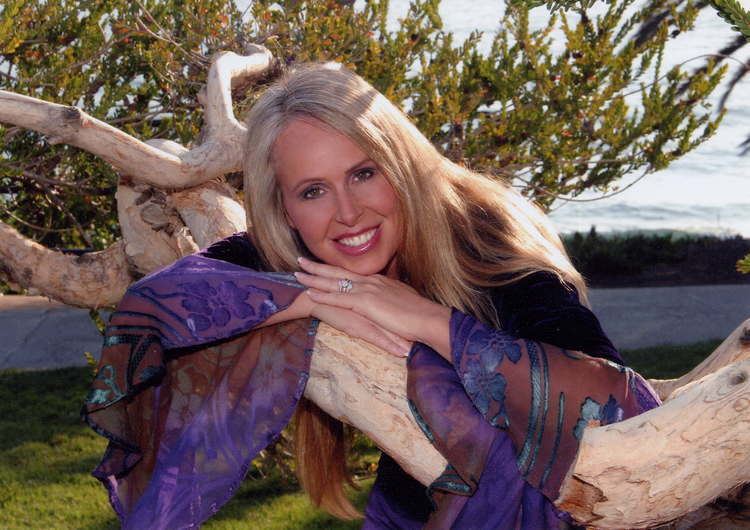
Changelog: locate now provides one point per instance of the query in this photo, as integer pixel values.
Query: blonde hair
(463, 232)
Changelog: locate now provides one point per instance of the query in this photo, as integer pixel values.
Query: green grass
(46, 456)
(666, 362)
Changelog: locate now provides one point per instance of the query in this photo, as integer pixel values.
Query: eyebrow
(348, 171)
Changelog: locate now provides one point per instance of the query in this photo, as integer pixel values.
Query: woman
(399, 246)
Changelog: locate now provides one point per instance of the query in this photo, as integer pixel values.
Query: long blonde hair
(463, 232)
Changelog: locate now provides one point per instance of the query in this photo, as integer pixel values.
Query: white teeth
(361, 239)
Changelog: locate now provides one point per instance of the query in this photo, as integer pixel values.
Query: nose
(349, 208)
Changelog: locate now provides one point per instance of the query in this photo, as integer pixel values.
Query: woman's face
(344, 209)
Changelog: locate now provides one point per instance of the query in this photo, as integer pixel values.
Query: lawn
(46, 455)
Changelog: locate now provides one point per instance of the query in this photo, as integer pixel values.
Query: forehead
(309, 149)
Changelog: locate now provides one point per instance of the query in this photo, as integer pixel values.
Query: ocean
(706, 191)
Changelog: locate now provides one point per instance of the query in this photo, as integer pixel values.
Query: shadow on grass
(39, 406)
(260, 503)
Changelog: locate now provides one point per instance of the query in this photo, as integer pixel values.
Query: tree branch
(220, 153)
(641, 472)
(91, 280)
(666, 462)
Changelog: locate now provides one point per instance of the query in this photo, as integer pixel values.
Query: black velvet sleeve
(541, 308)
(237, 249)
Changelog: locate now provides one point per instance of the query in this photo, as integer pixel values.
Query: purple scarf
(188, 397)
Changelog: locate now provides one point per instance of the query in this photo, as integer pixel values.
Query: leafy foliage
(743, 265)
(671, 258)
(729, 10)
(732, 12)
(556, 123)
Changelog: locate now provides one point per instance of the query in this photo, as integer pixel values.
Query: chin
(365, 269)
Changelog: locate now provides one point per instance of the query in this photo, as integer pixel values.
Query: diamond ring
(345, 285)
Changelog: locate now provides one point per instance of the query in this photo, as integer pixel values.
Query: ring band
(345, 285)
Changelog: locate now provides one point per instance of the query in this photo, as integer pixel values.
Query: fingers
(327, 271)
(403, 344)
(374, 336)
(320, 283)
(343, 300)
(359, 327)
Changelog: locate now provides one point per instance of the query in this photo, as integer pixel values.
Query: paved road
(649, 316)
(36, 333)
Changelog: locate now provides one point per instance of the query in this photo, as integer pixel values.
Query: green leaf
(734, 14)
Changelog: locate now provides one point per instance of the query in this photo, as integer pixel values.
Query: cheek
(388, 204)
(383, 199)
(310, 221)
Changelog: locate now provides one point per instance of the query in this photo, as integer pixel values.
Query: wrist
(435, 329)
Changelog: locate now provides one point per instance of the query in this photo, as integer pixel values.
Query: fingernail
(300, 259)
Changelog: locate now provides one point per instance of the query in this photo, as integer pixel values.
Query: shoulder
(542, 307)
(541, 287)
(237, 249)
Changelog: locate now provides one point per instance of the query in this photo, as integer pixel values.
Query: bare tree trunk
(642, 472)
(220, 152)
(363, 386)
(666, 462)
(157, 227)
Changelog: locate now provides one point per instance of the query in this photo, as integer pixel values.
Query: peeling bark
(211, 211)
(667, 462)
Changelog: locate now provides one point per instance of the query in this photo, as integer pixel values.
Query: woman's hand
(344, 320)
(391, 304)
(360, 327)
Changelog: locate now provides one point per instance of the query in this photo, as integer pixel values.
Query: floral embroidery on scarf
(595, 414)
(98, 396)
(215, 305)
(483, 387)
(491, 346)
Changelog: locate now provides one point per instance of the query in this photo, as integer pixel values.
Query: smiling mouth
(358, 240)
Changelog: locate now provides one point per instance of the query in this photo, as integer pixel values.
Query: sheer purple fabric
(508, 415)
(187, 398)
